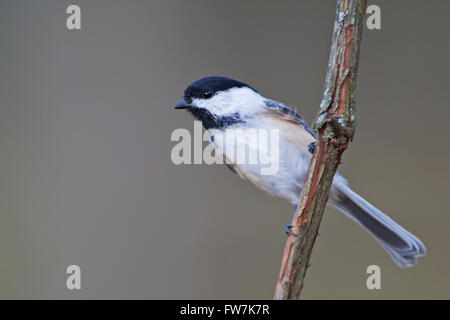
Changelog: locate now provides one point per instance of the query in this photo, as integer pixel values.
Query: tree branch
(335, 125)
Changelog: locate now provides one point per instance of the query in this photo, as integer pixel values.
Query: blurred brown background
(85, 170)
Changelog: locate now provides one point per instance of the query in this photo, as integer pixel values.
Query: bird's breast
(270, 155)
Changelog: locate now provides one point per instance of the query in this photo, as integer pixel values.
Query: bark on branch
(335, 125)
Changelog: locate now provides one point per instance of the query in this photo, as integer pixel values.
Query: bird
(223, 104)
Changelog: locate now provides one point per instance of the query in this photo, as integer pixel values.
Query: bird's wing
(288, 113)
(291, 125)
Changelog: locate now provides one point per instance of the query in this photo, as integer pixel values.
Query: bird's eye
(207, 94)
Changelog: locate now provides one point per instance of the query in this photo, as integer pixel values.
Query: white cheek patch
(244, 101)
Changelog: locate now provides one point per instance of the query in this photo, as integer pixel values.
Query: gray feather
(402, 246)
(271, 104)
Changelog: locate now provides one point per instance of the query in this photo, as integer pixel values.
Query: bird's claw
(288, 231)
(312, 147)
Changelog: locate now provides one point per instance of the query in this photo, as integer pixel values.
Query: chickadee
(221, 103)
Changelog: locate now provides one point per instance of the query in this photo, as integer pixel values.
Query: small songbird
(221, 104)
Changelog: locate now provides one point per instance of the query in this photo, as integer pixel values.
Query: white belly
(282, 177)
(291, 163)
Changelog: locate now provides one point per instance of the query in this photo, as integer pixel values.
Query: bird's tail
(402, 246)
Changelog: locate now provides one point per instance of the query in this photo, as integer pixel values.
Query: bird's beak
(182, 105)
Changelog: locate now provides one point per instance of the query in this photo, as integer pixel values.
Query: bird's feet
(288, 231)
(288, 228)
(312, 147)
